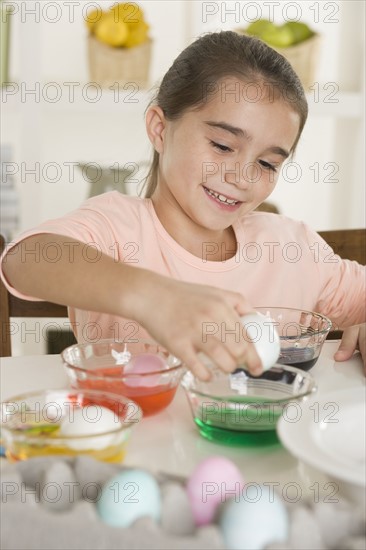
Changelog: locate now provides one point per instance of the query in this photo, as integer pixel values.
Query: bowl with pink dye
(140, 370)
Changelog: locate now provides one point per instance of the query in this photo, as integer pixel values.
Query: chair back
(348, 243)
(11, 306)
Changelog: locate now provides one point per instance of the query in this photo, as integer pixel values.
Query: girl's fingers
(230, 357)
(240, 304)
(192, 361)
(353, 338)
(348, 344)
(220, 355)
(252, 361)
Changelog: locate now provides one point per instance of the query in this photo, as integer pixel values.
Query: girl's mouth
(221, 199)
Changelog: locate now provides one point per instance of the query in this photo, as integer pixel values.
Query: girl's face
(223, 160)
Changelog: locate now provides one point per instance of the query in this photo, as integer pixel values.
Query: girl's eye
(220, 147)
(268, 166)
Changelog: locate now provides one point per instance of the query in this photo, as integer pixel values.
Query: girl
(183, 264)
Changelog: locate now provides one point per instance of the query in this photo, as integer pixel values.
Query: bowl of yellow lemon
(119, 45)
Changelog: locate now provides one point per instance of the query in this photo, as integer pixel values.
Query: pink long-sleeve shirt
(278, 262)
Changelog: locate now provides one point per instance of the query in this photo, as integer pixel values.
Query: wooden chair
(348, 243)
(268, 207)
(15, 307)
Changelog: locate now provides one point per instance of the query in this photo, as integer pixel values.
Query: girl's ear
(155, 127)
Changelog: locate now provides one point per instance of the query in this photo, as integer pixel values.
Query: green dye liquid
(247, 422)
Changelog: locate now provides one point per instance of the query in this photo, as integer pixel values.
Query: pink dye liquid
(152, 399)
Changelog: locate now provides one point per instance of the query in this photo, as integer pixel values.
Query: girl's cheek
(271, 179)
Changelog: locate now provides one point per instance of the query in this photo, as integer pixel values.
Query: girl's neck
(215, 246)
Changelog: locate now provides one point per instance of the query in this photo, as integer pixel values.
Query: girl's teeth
(221, 198)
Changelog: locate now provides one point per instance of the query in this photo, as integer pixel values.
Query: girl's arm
(185, 318)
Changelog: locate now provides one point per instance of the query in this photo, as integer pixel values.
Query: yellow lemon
(138, 34)
(93, 17)
(128, 12)
(111, 32)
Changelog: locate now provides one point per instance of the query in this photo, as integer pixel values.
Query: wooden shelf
(87, 98)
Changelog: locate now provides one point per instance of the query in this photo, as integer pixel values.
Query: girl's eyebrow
(279, 151)
(232, 129)
(239, 132)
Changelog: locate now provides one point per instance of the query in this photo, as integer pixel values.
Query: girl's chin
(215, 225)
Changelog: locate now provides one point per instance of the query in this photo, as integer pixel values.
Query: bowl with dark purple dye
(302, 334)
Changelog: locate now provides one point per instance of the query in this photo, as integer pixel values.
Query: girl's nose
(241, 175)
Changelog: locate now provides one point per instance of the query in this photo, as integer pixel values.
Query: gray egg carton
(49, 503)
(35, 515)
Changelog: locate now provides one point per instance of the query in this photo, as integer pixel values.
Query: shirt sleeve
(87, 224)
(342, 284)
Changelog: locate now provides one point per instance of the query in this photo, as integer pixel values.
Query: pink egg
(215, 480)
(144, 363)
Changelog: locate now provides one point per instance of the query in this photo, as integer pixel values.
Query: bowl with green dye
(240, 409)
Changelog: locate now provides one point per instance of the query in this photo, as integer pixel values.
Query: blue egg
(129, 496)
(254, 520)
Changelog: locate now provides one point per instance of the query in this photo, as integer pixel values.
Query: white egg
(91, 420)
(258, 519)
(130, 495)
(262, 331)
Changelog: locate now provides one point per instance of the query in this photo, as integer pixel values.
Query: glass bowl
(141, 370)
(302, 334)
(68, 422)
(239, 409)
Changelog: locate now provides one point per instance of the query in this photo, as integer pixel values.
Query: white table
(170, 442)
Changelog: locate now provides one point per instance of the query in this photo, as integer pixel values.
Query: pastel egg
(257, 519)
(128, 496)
(263, 333)
(213, 481)
(89, 421)
(144, 363)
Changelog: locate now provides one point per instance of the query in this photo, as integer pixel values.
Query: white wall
(56, 51)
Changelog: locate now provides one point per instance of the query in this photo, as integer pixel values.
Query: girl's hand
(353, 338)
(188, 319)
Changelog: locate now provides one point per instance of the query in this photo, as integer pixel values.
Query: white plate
(329, 434)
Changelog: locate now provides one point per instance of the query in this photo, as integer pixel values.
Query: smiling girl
(184, 263)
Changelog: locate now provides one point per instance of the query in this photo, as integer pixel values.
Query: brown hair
(193, 79)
